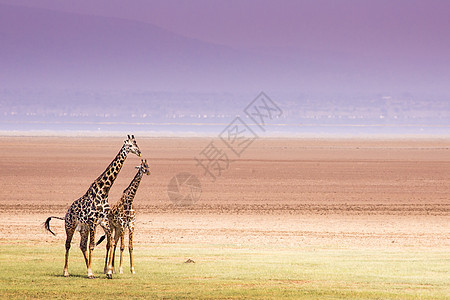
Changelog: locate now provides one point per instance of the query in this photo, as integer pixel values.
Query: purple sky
(284, 23)
(376, 42)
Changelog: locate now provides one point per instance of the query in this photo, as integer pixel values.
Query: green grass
(225, 271)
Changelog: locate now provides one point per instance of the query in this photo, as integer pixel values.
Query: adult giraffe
(93, 209)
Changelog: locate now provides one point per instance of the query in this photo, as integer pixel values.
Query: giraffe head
(131, 146)
(144, 168)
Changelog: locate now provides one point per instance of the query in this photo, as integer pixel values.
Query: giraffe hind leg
(70, 230)
(84, 234)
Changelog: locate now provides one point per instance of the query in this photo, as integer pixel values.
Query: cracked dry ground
(293, 193)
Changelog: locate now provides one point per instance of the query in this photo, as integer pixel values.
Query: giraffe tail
(100, 240)
(47, 224)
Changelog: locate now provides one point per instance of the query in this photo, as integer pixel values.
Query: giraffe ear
(137, 167)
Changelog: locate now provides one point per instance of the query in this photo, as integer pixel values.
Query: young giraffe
(93, 208)
(122, 216)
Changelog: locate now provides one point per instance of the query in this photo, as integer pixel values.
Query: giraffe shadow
(74, 276)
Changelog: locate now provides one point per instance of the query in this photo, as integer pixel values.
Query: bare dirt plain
(342, 193)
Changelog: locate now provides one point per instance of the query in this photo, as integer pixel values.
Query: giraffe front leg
(108, 246)
(90, 274)
(116, 238)
(130, 249)
(122, 246)
(109, 251)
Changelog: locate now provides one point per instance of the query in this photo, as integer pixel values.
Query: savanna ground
(289, 218)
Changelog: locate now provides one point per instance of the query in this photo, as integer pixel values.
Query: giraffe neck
(103, 183)
(130, 191)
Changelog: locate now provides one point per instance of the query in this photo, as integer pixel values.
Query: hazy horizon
(344, 68)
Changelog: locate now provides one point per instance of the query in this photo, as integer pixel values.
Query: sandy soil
(342, 193)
